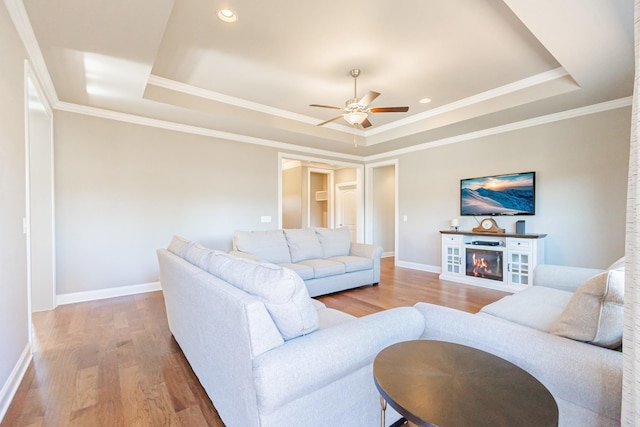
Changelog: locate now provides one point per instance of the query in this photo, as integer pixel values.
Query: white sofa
(264, 351)
(324, 258)
(531, 329)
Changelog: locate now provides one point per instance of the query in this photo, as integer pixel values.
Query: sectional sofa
(565, 330)
(264, 351)
(324, 258)
(269, 355)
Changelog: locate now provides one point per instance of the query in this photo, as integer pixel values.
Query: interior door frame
(46, 223)
(368, 191)
(330, 195)
(359, 180)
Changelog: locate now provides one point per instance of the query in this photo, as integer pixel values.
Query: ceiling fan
(356, 112)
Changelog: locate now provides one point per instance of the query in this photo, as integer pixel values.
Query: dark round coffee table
(435, 383)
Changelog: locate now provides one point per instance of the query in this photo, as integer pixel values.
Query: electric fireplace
(483, 263)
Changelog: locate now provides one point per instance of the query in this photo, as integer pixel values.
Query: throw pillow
(282, 291)
(595, 312)
(179, 246)
(617, 265)
(269, 245)
(303, 244)
(335, 242)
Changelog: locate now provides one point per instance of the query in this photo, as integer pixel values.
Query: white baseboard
(388, 254)
(74, 297)
(9, 388)
(421, 267)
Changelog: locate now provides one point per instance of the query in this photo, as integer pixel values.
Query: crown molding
(20, 19)
(519, 85)
(242, 103)
(550, 118)
(178, 127)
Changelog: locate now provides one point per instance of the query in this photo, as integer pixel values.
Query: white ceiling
(483, 63)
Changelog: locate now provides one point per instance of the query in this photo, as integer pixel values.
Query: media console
(501, 261)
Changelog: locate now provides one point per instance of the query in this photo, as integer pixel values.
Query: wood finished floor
(114, 362)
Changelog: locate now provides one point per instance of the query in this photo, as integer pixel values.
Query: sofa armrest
(313, 361)
(365, 250)
(373, 252)
(562, 277)
(584, 375)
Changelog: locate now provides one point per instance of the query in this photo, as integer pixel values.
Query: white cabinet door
(520, 254)
(452, 253)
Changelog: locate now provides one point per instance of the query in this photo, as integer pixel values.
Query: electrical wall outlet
(265, 219)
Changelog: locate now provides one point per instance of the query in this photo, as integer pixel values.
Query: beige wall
(14, 316)
(581, 166)
(345, 175)
(383, 227)
(122, 191)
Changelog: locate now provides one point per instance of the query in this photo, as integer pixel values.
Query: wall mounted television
(508, 194)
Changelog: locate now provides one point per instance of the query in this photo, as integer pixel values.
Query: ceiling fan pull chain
(355, 140)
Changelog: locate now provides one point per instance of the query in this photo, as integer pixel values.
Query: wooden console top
(473, 233)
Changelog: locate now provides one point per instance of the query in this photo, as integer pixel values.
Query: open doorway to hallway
(320, 193)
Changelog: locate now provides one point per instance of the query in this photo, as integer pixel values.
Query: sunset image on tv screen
(498, 195)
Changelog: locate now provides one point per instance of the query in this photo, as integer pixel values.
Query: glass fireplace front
(484, 263)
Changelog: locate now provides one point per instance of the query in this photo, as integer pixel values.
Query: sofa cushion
(303, 244)
(595, 312)
(354, 263)
(198, 255)
(334, 241)
(324, 267)
(282, 291)
(179, 246)
(304, 271)
(537, 307)
(270, 245)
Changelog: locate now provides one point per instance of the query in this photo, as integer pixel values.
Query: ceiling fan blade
(389, 109)
(368, 98)
(325, 106)
(330, 120)
(365, 123)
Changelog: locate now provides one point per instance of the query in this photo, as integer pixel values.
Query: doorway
(308, 193)
(382, 206)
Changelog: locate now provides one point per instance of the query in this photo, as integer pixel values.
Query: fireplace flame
(480, 266)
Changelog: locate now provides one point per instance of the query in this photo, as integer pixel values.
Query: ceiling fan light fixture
(227, 15)
(355, 117)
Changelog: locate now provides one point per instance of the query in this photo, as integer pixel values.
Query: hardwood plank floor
(114, 362)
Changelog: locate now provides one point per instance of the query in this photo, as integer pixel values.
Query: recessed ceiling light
(227, 15)
(425, 101)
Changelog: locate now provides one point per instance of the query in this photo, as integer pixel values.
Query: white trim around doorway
(368, 196)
